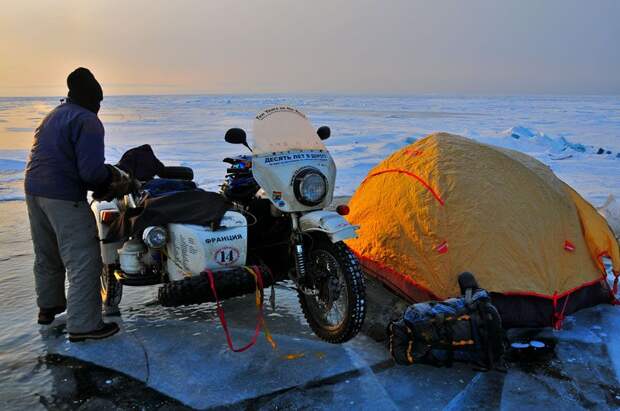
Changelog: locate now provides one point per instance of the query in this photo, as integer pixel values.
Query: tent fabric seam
(410, 174)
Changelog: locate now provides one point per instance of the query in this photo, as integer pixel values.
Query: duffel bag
(465, 329)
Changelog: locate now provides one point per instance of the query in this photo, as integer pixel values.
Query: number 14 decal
(226, 256)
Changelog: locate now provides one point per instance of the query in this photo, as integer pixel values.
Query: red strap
(554, 318)
(442, 248)
(413, 153)
(220, 313)
(559, 317)
(614, 289)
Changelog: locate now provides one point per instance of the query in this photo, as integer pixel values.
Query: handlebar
(177, 172)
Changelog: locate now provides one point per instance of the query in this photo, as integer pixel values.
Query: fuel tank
(192, 249)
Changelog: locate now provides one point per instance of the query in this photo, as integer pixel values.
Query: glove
(117, 185)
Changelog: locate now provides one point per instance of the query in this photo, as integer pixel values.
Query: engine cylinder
(130, 257)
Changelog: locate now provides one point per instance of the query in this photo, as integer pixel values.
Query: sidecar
(141, 247)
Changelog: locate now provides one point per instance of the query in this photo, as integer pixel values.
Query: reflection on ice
(182, 353)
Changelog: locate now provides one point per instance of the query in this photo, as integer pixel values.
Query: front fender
(330, 223)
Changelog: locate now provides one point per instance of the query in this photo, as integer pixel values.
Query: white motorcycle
(276, 222)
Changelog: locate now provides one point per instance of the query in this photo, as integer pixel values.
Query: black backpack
(466, 329)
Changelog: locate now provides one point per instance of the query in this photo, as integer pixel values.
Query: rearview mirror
(324, 132)
(236, 136)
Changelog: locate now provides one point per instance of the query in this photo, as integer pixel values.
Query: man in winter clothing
(67, 160)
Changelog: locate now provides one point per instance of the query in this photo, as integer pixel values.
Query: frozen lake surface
(567, 133)
(189, 130)
(184, 355)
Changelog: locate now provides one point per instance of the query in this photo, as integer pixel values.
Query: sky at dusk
(277, 46)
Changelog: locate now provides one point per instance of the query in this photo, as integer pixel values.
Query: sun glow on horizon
(276, 46)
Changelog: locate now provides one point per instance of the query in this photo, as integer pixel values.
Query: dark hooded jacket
(67, 157)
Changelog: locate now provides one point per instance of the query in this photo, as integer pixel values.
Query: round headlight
(310, 186)
(155, 237)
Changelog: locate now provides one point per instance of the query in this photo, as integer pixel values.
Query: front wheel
(111, 291)
(336, 309)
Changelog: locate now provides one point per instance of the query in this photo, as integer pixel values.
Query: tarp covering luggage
(447, 204)
(192, 206)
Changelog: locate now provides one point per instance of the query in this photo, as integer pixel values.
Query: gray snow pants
(65, 239)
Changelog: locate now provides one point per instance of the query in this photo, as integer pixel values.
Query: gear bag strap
(260, 319)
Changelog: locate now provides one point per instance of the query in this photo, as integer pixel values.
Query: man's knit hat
(84, 89)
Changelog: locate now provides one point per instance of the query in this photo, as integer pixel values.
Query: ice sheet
(564, 132)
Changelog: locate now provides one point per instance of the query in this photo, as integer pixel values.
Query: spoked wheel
(335, 310)
(111, 291)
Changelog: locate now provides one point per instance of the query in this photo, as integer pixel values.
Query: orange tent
(447, 204)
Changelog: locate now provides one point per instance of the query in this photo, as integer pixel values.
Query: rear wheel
(336, 309)
(111, 291)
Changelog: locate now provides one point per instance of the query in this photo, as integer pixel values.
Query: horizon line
(333, 93)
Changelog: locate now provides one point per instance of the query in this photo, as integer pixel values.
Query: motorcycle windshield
(285, 144)
(280, 129)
